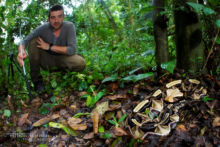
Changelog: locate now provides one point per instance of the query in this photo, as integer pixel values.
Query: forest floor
(170, 111)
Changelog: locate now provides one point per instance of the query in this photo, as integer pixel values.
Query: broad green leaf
(83, 85)
(42, 145)
(218, 23)
(7, 113)
(101, 129)
(56, 125)
(146, 9)
(100, 95)
(133, 71)
(91, 89)
(88, 101)
(111, 78)
(53, 99)
(122, 118)
(208, 11)
(54, 83)
(112, 122)
(198, 7)
(93, 102)
(169, 66)
(80, 114)
(69, 131)
(138, 77)
(84, 96)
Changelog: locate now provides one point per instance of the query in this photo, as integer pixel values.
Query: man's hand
(21, 54)
(42, 44)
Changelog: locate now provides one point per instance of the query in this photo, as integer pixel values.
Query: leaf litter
(175, 112)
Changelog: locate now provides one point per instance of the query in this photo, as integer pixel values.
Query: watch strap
(51, 44)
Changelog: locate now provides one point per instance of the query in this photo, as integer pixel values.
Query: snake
(158, 113)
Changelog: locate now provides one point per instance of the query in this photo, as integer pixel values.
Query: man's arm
(21, 48)
(45, 46)
(71, 39)
(70, 35)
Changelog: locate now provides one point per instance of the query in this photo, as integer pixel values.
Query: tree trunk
(189, 45)
(110, 18)
(160, 33)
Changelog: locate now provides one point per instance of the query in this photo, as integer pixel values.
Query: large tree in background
(189, 45)
(160, 32)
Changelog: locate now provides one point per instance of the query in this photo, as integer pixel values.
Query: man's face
(56, 19)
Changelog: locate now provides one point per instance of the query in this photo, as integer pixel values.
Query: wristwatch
(51, 44)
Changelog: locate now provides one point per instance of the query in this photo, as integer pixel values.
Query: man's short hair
(55, 8)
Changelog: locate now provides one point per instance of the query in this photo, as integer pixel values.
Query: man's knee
(77, 63)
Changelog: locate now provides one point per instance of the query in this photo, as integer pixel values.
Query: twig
(211, 51)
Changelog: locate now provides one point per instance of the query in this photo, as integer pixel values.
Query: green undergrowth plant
(129, 78)
(104, 134)
(93, 96)
(46, 107)
(116, 122)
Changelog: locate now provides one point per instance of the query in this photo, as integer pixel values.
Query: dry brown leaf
(101, 108)
(89, 136)
(117, 96)
(74, 120)
(81, 126)
(73, 107)
(95, 120)
(41, 122)
(216, 122)
(82, 93)
(172, 93)
(11, 106)
(114, 86)
(75, 123)
(36, 103)
(45, 120)
(23, 104)
(114, 107)
(119, 131)
(23, 119)
(136, 89)
(55, 116)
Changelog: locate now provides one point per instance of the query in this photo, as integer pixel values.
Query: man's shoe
(39, 87)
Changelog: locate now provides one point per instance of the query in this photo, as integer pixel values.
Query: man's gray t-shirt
(67, 36)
